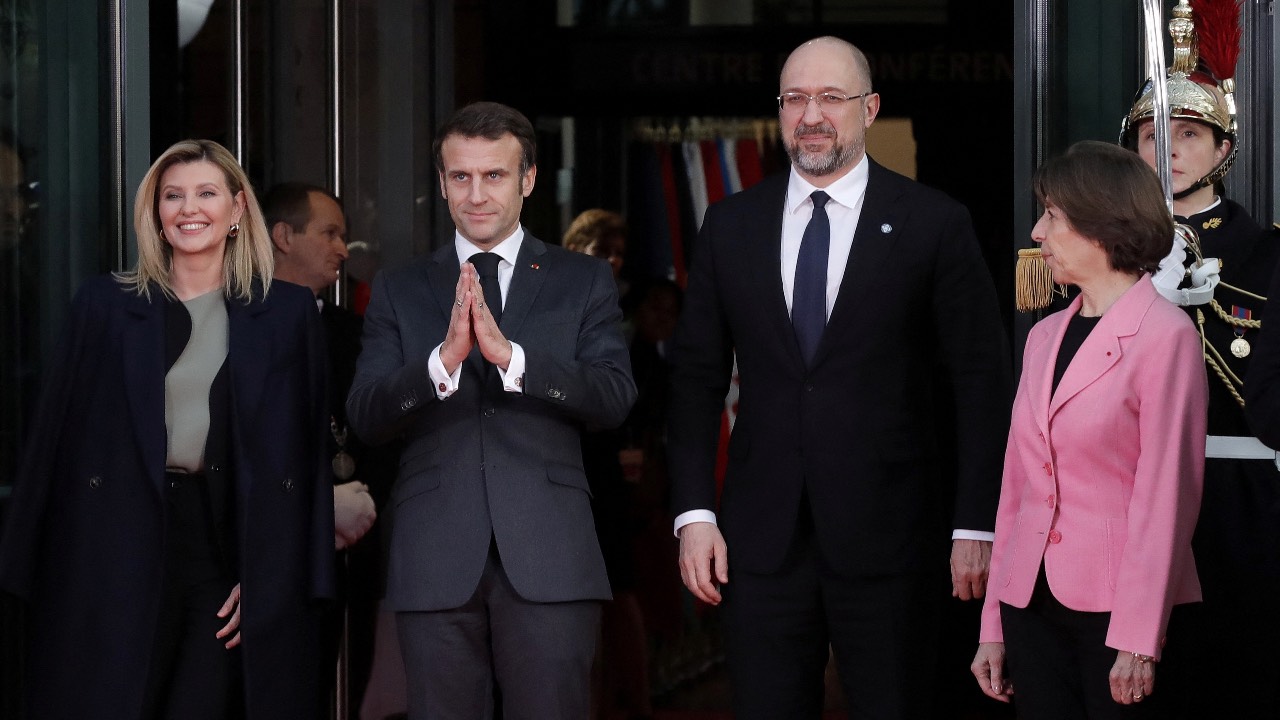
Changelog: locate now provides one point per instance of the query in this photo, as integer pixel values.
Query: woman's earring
(234, 231)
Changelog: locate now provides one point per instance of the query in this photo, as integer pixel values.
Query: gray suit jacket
(484, 461)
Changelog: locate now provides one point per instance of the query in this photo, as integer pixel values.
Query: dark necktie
(809, 291)
(487, 267)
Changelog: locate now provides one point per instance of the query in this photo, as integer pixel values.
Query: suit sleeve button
(95, 482)
(287, 484)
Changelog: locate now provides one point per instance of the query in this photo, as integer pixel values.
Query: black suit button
(174, 484)
(809, 388)
(215, 468)
(488, 412)
(95, 482)
(287, 484)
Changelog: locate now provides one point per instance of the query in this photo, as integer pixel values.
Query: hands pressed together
(471, 323)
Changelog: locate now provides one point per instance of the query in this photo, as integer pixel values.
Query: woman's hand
(988, 668)
(233, 625)
(1132, 678)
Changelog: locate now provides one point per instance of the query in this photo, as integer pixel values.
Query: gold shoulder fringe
(1033, 281)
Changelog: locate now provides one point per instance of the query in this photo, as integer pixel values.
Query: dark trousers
(1218, 668)
(778, 627)
(538, 654)
(1059, 663)
(193, 676)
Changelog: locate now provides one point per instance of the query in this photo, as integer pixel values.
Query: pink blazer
(1102, 481)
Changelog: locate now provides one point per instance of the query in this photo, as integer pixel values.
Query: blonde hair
(592, 226)
(247, 256)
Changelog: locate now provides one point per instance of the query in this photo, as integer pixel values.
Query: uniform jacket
(83, 534)
(1237, 538)
(913, 361)
(1102, 481)
(485, 463)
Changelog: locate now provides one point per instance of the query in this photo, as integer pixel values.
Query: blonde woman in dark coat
(171, 529)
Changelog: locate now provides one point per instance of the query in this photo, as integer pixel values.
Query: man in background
(308, 231)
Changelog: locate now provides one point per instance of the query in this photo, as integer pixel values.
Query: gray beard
(819, 164)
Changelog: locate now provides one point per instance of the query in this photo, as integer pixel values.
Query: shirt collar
(846, 191)
(508, 249)
(1217, 200)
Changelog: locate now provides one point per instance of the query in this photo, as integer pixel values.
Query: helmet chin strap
(1193, 188)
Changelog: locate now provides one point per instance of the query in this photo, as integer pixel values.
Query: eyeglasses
(799, 101)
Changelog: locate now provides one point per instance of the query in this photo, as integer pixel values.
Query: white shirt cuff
(693, 516)
(973, 535)
(443, 383)
(513, 376)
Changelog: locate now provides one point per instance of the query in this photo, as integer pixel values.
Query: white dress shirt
(508, 250)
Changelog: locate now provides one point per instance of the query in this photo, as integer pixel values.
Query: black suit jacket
(860, 431)
(83, 536)
(484, 463)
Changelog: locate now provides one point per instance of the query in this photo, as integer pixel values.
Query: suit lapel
(442, 277)
(249, 355)
(879, 225)
(767, 264)
(1098, 354)
(1101, 350)
(144, 379)
(526, 283)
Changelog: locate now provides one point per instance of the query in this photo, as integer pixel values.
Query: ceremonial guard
(1225, 645)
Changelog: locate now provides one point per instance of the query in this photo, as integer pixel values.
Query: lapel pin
(886, 228)
(534, 266)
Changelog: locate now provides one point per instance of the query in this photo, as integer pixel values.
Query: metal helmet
(1200, 81)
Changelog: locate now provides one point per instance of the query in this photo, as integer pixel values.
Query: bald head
(825, 137)
(834, 51)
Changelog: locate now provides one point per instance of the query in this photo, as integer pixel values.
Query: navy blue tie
(809, 291)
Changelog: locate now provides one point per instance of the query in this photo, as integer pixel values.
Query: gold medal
(344, 466)
(1240, 347)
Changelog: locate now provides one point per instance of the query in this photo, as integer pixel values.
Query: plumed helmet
(1201, 80)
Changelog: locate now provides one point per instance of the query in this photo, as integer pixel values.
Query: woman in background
(176, 471)
(1104, 466)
